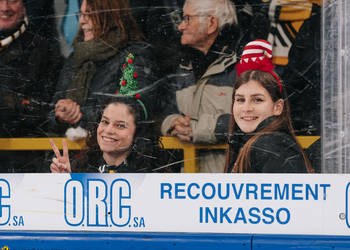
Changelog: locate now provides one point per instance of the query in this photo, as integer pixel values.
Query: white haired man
(205, 79)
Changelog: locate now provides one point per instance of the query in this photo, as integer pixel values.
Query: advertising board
(193, 203)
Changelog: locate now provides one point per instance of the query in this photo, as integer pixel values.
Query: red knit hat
(257, 55)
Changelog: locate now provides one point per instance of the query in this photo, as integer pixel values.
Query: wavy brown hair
(134, 110)
(281, 123)
(109, 14)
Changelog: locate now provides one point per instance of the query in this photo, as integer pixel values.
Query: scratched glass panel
(158, 19)
(336, 87)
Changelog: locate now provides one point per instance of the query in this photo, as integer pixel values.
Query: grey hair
(224, 10)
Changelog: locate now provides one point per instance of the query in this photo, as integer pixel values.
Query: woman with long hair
(118, 143)
(108, 34)
(262, 139)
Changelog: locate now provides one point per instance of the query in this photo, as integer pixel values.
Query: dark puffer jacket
(94, 163)
(276, 152)
(148, 158)
(106, 81)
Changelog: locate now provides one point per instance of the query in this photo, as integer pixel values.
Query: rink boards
(174, 211)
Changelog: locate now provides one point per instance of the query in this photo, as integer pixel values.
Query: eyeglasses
(187, 18)
(10, 1)
(79, 14)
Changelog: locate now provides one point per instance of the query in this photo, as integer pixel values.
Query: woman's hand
(60, 164)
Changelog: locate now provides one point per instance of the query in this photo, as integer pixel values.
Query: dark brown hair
(91, 140)
(281, 123)
(145, 143)
(109, 14)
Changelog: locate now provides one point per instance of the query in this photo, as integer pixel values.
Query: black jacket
(137, 162)
(29, 68)
(277, 152)
(303, 76)
(96, 164)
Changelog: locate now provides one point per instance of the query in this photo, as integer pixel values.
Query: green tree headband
(128, 82)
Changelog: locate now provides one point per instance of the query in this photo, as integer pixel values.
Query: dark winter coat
(96, 164)
(276, 152)
(29, 68)
(106, 81)
(303, 76)
(143, 160)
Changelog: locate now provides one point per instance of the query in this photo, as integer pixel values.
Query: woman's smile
(116, 129)
(108, 139)
(253, 104)
(249, 118)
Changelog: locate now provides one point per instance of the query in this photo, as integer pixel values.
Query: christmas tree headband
(128, 83)
(257, 55)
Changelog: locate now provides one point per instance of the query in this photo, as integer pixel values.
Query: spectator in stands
(119, 143)
(303, 76)
(293, 28)
(201, 106)
(263, 139)
(29, 67)
(108, 33)
(278, 22)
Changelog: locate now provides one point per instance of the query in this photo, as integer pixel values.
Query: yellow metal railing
(190, 160)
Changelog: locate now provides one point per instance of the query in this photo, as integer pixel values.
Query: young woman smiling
(119, 144)
(262, 139)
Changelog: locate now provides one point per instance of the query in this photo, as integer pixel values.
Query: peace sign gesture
(60, 164)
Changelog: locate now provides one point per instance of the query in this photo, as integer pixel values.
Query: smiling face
(11, 14)
(116, 130)
(85, 22)
(253, 104)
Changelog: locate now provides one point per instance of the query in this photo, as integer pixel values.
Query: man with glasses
(28, 71)
(205, 79)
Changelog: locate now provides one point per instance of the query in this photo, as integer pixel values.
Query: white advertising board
(218, 203)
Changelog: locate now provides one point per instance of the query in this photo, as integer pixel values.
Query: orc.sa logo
(4, 198)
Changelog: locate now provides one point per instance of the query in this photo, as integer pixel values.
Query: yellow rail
(190, 161)
(37, 144)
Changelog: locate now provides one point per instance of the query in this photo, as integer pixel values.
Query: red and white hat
(257, 55)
